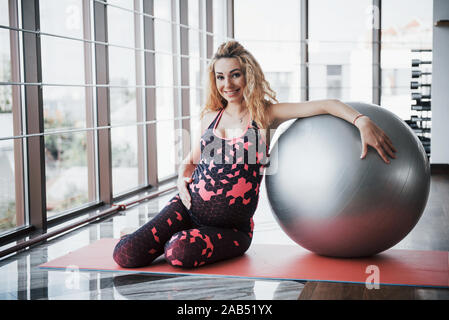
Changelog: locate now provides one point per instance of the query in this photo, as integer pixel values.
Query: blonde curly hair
(257, 94)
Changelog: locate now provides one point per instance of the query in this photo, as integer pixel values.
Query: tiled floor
(20, 277)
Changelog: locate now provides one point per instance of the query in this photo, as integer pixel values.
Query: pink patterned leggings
(183, 242)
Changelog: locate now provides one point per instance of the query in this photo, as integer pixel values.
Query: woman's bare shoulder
(208, 117)
(210, 114)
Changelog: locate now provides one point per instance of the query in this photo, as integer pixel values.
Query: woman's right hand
(185, 173)
(184, 191)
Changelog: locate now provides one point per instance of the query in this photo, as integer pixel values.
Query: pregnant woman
(211, 218)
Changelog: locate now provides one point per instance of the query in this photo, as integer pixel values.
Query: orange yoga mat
(284, 262)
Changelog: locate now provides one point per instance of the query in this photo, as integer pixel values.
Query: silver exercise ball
(333, 203)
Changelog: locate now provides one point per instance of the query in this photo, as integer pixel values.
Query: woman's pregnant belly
(226, 200)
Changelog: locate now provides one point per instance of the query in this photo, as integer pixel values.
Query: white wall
(440, 85)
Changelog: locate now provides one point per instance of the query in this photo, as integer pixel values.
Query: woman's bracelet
(355, 119)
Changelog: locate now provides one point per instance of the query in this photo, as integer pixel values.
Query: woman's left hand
(375, 137)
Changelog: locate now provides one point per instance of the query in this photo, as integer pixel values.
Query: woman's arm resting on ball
(370, 133)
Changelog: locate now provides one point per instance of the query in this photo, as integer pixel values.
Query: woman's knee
(119, 255)
(126, 256)
(173, 252)
(186, 251)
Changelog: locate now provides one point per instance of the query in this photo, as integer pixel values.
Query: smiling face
(229, 79)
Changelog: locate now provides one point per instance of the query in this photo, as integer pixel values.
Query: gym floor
(23, 280)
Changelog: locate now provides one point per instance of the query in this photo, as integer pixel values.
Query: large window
(197, 64)
(164, 28)
(219, 9)
(340, 50)
(67, 104)
(342, 54)
(12, 212)
(126, 94)
(92, 94)
(272, 34)
(401, 33)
